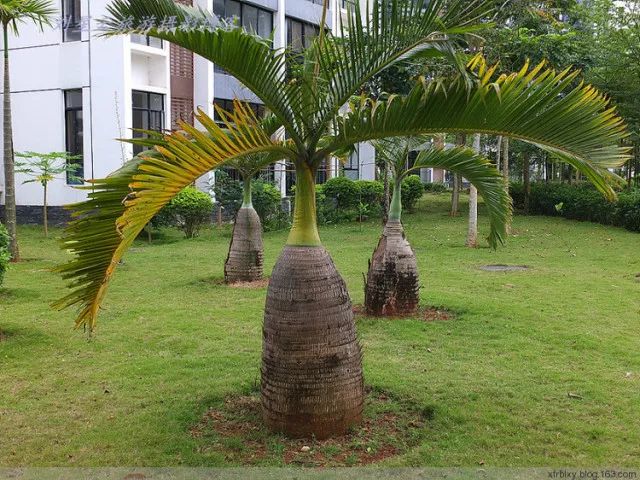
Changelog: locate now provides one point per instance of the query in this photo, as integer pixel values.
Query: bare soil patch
(428, 314)
(235, 429)
(262, 283)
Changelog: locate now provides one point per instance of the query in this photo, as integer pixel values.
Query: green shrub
(228, 193)
(412, 191)
(580, 202)
(435, 187)
(371, 197)
(343, 192)
(268, 203)
(190, 210)
(4, 252)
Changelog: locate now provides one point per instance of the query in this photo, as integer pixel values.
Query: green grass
(495, 381)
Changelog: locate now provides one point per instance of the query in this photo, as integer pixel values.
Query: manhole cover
(504, 268)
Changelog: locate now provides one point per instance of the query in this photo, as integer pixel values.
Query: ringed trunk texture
(246, 256)
(312, 382)
(393, 285)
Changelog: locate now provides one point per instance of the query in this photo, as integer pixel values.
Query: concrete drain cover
(504, 268)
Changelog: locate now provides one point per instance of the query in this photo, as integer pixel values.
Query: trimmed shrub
(5, 256)
(435, 187)
(371, 198)
(228, 193)
(190, 210)
(344, 192)
(268, 204)
(412, 191)
(580, 202)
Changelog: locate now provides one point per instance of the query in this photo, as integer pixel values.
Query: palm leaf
(483, 175)
(393, 30)
(121, 205)
(247, 57)
(534, 105)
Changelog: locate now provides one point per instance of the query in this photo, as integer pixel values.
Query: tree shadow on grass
(9, 296)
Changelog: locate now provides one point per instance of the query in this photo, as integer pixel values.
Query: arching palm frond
(391, 31)
(120, 206)
(247, 57)
(534, 105)
(483, 175)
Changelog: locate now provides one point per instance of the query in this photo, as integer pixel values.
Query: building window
(71, 20)
(227, 105)
(255, 20)
(74, 134)
(352, 165)
(300, 34)
(146, 40)
(148, 114)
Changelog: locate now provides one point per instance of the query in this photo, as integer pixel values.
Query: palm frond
(249, 58)
(534, 105)
(13, 12)
(393, 30)
(483, 175)
(121, 205)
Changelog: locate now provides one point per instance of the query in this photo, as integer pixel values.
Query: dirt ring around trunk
(427, 314)
(233, 428)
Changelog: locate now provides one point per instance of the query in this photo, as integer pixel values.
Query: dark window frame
(354, 159)
(217, 4)
(147, 41)
(71, 20)
(149, 112)
(75, 124)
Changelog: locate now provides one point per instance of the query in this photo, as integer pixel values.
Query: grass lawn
(172, 341)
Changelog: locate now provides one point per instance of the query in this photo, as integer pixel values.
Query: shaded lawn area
(172, 341)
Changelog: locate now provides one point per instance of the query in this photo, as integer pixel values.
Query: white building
(75, 91)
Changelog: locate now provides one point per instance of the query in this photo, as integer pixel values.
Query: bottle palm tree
(312, 381)
(13, 12)
(245, 259)
(392, 284)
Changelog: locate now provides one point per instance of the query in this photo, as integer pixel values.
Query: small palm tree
(312, 381)
(43, 168)
(245, 259)
(392, 284)
(13, 12)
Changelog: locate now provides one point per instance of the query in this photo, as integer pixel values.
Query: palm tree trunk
(312, 383)
(392, 286)
(505, 172)
(472, 233)
(45, 213)
(9, 167)
(246, 254)
(385, 207)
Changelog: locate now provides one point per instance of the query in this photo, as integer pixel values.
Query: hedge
(4, 252)
(580, 202)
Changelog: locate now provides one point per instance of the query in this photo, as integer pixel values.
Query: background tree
(312, 381)
(13, 12)
(44, 168)
(472, 231)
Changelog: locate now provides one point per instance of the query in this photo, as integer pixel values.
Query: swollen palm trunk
(245, 260)
(393, 285)
(312, 383)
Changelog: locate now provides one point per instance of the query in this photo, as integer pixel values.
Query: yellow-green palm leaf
(120, 206)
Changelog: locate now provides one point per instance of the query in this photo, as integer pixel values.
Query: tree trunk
(312, 383)
(527, 181)
(45, 215)
(505, 172)
(455, 196)
(9, 166)
(246, 254)
(472, 233)
(385, 207)
(498, 152)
